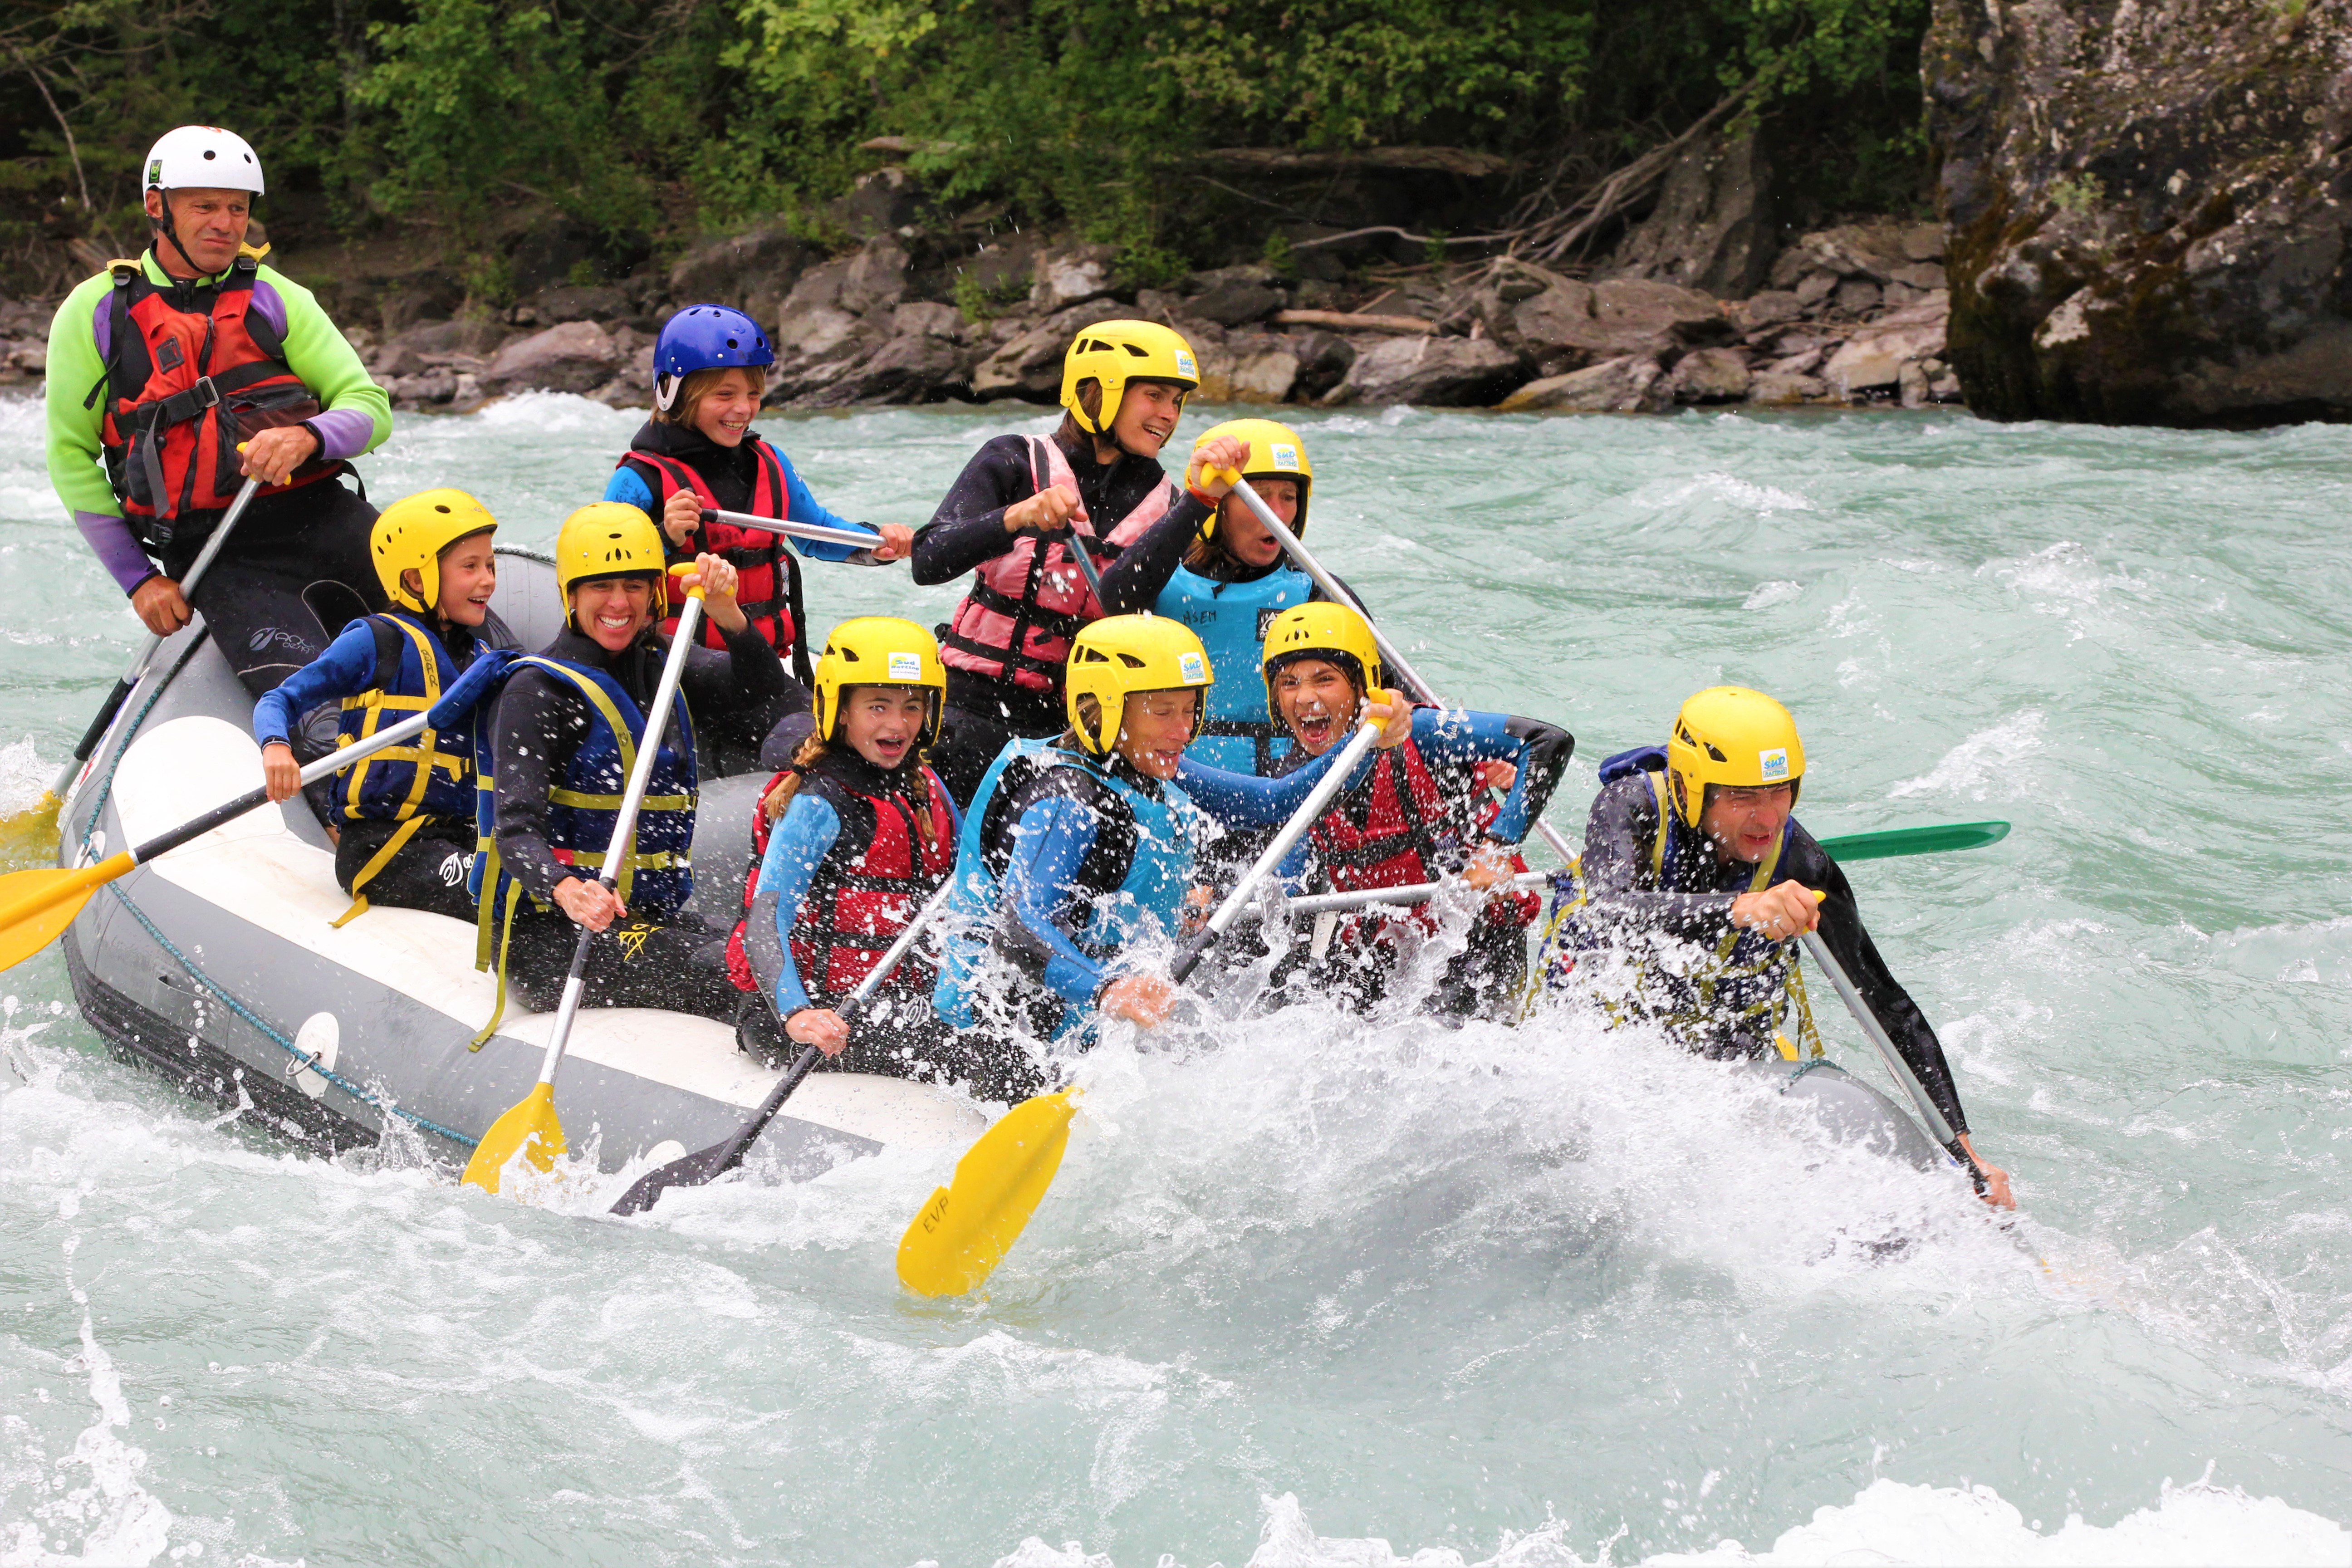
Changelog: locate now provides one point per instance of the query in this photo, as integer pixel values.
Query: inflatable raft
(218, 965)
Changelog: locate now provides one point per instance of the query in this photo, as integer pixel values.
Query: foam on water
(1308, 1285)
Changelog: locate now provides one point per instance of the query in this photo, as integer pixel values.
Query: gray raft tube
(218, 964)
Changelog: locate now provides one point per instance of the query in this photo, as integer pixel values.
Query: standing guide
(161, 369)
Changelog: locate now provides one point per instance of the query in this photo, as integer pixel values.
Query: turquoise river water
(1327, 1290)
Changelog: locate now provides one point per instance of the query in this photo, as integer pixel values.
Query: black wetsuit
(680, 962)
(296, 572)
(1618, 838)
(965, 533)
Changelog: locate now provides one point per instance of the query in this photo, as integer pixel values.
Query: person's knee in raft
(867, 834)
(1698, 839)
(404, 841)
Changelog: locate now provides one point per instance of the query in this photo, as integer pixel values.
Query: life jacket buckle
(206, 393)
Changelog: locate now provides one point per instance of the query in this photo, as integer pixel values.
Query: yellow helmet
(1276, 452)
(1732, 736)
(1116, 353)
(610, 539)
(879, 650)
(1118, 656)
(410, 535)
(1319, 630)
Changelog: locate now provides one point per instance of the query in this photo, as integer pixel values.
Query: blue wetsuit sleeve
(626, 487)
(1048, 844)
(797, 848)
(804, 508)
(346, 669)
(1246, 800)
(1464, 738)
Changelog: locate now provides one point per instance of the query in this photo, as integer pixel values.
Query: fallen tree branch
(1346, 323)
(1285, 160)
(1569, 227)
(1409, 238)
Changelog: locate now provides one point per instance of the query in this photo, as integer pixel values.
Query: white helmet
(203, 157)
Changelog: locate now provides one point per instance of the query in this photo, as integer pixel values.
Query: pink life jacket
(1027, 604)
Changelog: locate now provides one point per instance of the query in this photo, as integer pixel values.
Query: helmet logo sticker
(1285, 456)
(1184, 365)
(155, 171)
(1193, 669)
(1773, 764)
(906, 667)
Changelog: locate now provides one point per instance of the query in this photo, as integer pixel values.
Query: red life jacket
(769, 586)
(1027, 604)
(1398, 828)
(861, 898)
(184, 386)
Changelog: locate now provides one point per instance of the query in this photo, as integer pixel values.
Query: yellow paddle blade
(34, 906)
(531, 1126)
(969, 1226)
(29, 836)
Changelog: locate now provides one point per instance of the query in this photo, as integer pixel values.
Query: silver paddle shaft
(625, 825)
(815, 532)
(1338, 595)
(1406, 896)
(1876, 1034)
(1309, 813)
(188, 581)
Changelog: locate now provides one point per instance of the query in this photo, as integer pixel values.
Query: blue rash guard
(1062, 876)
(797, 848)
(626, 485)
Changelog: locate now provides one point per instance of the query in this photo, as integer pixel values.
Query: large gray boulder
(1439, 372)
(577, 357)
(1623, 386)
(2147, 207)
(1712, 228)
(1029, 365)
(1571, 324)
(754, 272)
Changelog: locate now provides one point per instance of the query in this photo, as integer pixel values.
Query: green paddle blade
(967, 1227)
(1896, 841)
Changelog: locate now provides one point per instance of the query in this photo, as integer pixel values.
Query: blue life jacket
(1146, 902)
(1231, 619)
(656, 879)
(430, 777)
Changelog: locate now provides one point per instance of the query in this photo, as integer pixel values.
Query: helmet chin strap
(168, 228)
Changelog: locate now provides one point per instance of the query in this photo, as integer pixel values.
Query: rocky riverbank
(1853, 315)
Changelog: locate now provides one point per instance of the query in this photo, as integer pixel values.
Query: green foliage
(649, 118)
(2077, 193)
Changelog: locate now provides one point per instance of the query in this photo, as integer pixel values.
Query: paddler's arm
(1618, 834)
(1537, 750)
(805, 507)
(1133, 583)
(967, 532)
(1246, 800)
(1050, 840)
(795, 850)
(74, 428)
(346, 669)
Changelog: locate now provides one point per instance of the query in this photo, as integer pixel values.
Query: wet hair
(698, 386)
(815, 748)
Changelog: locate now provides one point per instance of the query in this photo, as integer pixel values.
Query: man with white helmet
(175, 378)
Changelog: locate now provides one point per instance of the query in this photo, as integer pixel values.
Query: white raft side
(257, 870)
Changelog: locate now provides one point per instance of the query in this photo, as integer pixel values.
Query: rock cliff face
(2148, 204)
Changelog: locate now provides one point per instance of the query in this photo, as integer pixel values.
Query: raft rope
(306, 1059)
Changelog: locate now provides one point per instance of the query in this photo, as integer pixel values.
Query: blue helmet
(704, 337)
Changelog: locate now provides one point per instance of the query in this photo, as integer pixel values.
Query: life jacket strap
(376, 862)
